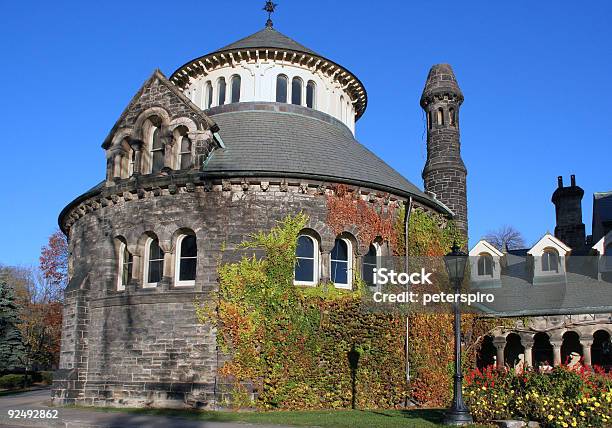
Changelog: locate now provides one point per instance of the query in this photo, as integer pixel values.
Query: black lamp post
(458, 414)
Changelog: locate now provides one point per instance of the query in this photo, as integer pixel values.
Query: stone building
(227, 145)
(565, 278)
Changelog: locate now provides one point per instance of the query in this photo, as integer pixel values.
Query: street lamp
(458, 414)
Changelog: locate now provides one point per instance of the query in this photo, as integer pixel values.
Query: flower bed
(561, 398)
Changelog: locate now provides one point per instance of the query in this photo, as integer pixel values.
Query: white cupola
(270, 67)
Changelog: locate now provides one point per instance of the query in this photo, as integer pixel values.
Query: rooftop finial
(269, 7)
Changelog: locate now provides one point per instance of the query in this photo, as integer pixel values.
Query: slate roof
(267, 38)
(259, 141)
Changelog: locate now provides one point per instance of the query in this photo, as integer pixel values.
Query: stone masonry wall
(143, 346)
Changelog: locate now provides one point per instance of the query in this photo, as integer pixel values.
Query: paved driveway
(84, 418)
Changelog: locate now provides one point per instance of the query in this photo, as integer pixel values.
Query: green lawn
(422, 418)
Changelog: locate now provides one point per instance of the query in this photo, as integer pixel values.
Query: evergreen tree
(12, 349)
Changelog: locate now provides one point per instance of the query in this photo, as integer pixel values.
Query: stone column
(586, 343)
(528, 344)
(136, 145)
(500, 346)
(324, 274)
(556, 352)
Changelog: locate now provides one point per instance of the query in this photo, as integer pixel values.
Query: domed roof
(281, 140)
(267, 38)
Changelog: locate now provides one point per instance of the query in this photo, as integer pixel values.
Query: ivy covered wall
(295, 347)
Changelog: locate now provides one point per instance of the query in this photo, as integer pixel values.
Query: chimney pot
(573, 178)
(560, 181)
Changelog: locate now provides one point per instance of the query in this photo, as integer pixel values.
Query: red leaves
(54, 259)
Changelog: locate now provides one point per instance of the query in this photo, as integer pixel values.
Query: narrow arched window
(451, 116)
(154, 263)
(186, 260)
(341, 108)
(221, 91)
(235, 88)
(485, 265)
(281, 88)
(296, 91)
(185, 153)
(550, 260)
(440, 116)
(306, 260)
(341, 272)
(208, 96)
(125, 264)
(157, 151)
(370, 262)
(311, 89)
(429, 120)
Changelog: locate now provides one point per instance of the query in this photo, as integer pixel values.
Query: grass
(421, 418)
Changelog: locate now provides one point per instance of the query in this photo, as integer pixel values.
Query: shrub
(12, 381)
(47, 378)
(562, 398)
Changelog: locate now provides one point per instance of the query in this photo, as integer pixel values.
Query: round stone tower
(444, 174)
(232, 142)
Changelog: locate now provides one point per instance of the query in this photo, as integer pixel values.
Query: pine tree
(12, 349)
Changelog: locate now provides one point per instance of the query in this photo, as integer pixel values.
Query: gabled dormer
(604, 251)
(160, 131)
(549, 255)
(485, 264)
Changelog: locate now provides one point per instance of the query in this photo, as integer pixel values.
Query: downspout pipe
(408, 211)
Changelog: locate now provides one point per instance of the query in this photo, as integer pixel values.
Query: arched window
(281, 88)
(221, 91)
(125, 262)
(154, 263)
(440, 116)
(306, 261)
(341, 108)
(157, 151)
(429, 120)
(235, 88)
(451, 116)
(550, 260)
(296, 91)
(370, 262)
(311, 89)
(341, 255)
(208, 94)
(184, 155)
(186, 260)
(485, 265)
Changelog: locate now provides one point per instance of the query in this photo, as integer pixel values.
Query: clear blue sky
(536, 78)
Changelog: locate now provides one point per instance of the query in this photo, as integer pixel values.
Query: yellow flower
(582, 413)
(550, 417)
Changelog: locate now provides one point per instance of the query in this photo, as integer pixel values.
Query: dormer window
(281, 88)
(550, 260)
(184, 161)
(157, 151)
(485, 265)
(296, 91)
